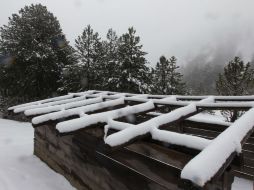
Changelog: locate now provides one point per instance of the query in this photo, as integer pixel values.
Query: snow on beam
(127, 134)
(165, 100)
(42, 101)
(64, 101)
(95, 104)
(219, 105)
(209, 119)
(70, 95)
(200, 118)
(164, 136)
(180, 139)
(83, 101)
(207, 163)
(76, 124)
(130, 133)
(82, 93)
(218, 98)
(106, 96)
(202, 105)
(117, 125)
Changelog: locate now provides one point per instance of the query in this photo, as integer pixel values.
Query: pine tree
(237, 79)
(34, 51)
(111, 66)
(166, 78)
(90, 52)
(134, 74)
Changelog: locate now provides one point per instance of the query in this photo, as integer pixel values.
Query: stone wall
(82, 166)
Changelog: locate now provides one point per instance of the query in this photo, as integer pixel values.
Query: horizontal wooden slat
(167, 176)
(248, 154)
(248, 162)
(250, 140)
(201, 132)
(249, 147)
(242, 174)
(163, 154)
(248, 169)
(205, 126)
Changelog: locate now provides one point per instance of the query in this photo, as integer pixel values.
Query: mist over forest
(201, 72)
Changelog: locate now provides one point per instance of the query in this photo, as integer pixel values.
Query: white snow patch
(208, 118)
(242, 184)
(19, 168)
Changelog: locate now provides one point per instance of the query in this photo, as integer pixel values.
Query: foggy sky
(183, 28)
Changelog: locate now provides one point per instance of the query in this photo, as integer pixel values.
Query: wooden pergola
(160, 139)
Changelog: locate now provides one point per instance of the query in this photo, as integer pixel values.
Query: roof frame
(184, 107)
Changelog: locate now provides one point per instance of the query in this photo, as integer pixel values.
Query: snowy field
(21, 170)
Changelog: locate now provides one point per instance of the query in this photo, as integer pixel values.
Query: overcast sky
(184, 28)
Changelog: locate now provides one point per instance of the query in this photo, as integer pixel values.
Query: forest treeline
(37, 61)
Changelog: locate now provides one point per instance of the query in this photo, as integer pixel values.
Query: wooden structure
(108, 140)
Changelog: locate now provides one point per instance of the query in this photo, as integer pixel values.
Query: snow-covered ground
(242, 184)
(21, 170)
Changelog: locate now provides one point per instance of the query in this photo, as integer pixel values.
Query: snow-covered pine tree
(133, 72)
(166, 78)
(71, 79)
(237, 79)
(91, 55)
(34, 51)
(111, 70)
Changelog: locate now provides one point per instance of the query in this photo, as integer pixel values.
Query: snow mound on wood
(208, 162)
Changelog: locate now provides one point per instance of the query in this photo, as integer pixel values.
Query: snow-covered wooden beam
(94, 93)
(200, 118)
(77, 102)
(41, 102)
(87, 120)
(64, 110)
(51, 104)
(208, 162)
(226, 105)
(48, 102)
(94, 104)
(218, 98)
(126, 135)
(201, 105)
(157, 99)
(197, 98)
(163, 136)
(179, 139)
